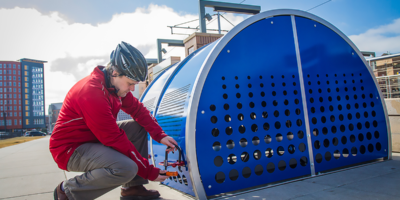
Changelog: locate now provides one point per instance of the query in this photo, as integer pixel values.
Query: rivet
(308, 135)
(272, 22)
(209, 186)
(315, 25)
(312, 164)
(202, 112)
(352, 53)
(228, 51)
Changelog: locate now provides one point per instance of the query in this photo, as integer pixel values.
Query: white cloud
(380, 40)
(73, 50)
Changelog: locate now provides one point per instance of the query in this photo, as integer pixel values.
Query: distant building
(54, 111)
(22, 94)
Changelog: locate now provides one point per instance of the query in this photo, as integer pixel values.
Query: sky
(75, 36)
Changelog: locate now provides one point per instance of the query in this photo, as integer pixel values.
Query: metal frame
(205, 68)
(176, 43)
(303, 96)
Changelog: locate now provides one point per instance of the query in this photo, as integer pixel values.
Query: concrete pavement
(28, 172)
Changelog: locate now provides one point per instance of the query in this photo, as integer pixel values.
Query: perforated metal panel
(346, 116)
(283, 95)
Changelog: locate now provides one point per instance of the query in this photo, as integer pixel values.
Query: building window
(26, 96)
(15, 122)
(27, 121)
(15, 84)
(26, 107)
(19, 108)
(19, 84)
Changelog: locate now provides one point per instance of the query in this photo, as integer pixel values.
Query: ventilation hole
(324, 130)
(253, 115)
(332, 118)
(237, 86)
(338, 98)
(233, 174)
(366, 114)
(362, 149)
(215, 132)
(300, 134)
(369, 136)
(289, 136)
(345, 153)
(348, 106)
(331, 108)
(228, 130)
(264, 114)
(280, 151)
(359, 126)
(225, 96)
(375, 123)
(288, 123)
(356, 105)
(275, 103)
(287, 112)
(276, 113)
(302, 147)
(230, 144)
(299, 122)
(284, 92)
(278, 137)
(296, 101)
(328, 156)
(251, 104)
(378, 146)
(335, 141)
(311, 100)
(226, 106)
(223, 78)
(263, 103)
(358, 115)
(238, 95)
(250, 94)
(270, 167)
(257, 154)
(339, 107)
(232, 159)
(344, 140)
(248, 77)
(349, 116)
(342, 128)
(370, 148)
(220, 177)
(351, 127)
(277, 125)
(217, 146)
(273, 93)
(298, 111)
(352, 138)
(347, 97)
(336, 154)
(333, 129)
(240, 117)
(360, 137)
(312, 109)
(315, 132)
(314, 120)
(242, 129)
(291, 149)
(364, 105)
(303, 161)
(317, 144)
(239, 105)
(323, 119)
(310, 91)
(258, 170)
(214, 119)
(218, 161)
(249, 85)
(354, 151)
(212, 107)
(282, 165)
(227, 118)
(373, 113)
(269, 153)
(292, 163)
(244, 157)
(224, 86)
(322, 109)
(256, 141)
(295, 92)
(318, 158)
(326, 143)
(243, 142)
(376, 134)
(266, 126)
(261, 85)
(372, 104)
(367, 125)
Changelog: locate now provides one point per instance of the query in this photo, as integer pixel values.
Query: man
(87, 138)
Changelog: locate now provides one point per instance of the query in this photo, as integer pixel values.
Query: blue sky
(350, 16)
(75, 36)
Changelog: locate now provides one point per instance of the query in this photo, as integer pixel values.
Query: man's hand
(161, 178)
(169, 141)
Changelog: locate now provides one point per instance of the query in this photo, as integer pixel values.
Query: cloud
(74, 49)
(380, 40)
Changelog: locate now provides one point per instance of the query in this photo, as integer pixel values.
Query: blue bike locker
(283, 95)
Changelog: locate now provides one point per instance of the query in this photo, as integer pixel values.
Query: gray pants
(105, 168)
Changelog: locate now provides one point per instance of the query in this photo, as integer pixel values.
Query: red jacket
(88, 115)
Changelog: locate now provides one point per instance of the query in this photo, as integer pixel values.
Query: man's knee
(126, 170)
